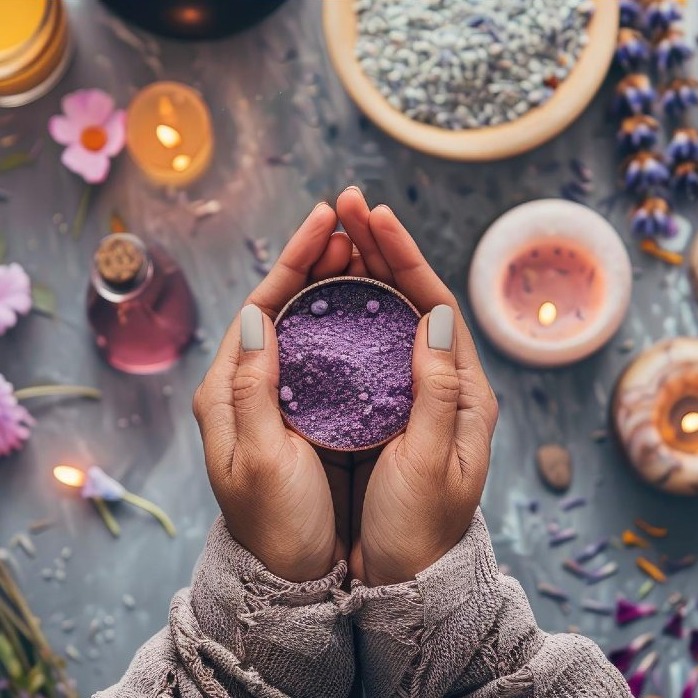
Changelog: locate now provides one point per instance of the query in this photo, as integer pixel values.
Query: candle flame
(689, 423)
(168, 136)
(547, 314)
(68, 475)
(181, 163)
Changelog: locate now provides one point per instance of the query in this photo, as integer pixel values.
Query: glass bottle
(139, 305)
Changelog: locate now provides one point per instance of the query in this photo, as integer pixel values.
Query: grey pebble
(59, 575)
(68, 625)
(109, 635)
(108, 620)
(128, 601)
(47, 574)
(66, 553)
(72, 652)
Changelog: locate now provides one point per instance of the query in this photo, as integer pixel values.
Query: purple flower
(634, 95)
(592, 550)
(628, 612)
(622, 658)
(93, 131)
(632, 49)
(680, 94)
(689, 690)
(685, 180)
(674, 626)
(629, 13)
(99, 484)
(671, 50)
(645, 170)
(638, 133)
(15, 295)
(14, 420)
(693, 645)
(653, 218)
(683, 146)
(661, 14)
(637, 681)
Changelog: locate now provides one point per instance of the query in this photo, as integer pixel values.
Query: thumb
(430, 431)
(258, 420)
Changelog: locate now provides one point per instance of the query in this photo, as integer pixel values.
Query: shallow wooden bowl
(492, 142)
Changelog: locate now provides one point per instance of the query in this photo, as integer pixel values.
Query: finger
(290, 273)
(429, 437)
(335, 259)
(260, 428)
(357, 266)
(353, 212)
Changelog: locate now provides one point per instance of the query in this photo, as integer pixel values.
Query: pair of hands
(300, 509)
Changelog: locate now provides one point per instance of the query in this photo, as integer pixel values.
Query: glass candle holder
(139, 305)
(655, 415)
(35, 49)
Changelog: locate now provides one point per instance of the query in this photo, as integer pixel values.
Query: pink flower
(14, 420)
(93, 131)
(15, 295)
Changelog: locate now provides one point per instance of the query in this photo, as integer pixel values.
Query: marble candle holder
(655, 415)
(550, 283)
(345, 352)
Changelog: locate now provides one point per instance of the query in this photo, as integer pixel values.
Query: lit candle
(34, 49)
(655, 413)
(550, 283)
(169, 133)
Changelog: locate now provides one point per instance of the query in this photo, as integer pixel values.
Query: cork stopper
(120, 260)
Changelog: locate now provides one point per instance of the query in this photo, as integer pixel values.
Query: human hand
(419, 498)
(273, 488)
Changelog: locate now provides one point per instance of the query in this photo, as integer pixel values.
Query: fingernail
(320, 205)
(251, 328)
(386, 207)
(353, 187)
(440, 328)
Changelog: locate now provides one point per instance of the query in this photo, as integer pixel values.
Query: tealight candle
(169, 133)
(34, 49)
(655, 414)
(550, 283)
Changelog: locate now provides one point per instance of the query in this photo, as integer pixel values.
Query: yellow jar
(34, 49)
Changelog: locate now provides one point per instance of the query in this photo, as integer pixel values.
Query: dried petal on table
(570, 503)
(623, 657)
(632, 540)
(552, 592)
(563, 536)
(628, 612)
(598, 607)
(674, 626)
(650, 530)
(693, 644)
(672, 566)
(592, 550)
(650, 569)
(689, 690)
(650, 247)
(603, 572)
(637, 681)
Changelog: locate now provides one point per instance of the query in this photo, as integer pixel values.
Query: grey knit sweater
(459, 629)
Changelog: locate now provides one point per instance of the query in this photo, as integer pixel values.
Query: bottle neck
(121, 268)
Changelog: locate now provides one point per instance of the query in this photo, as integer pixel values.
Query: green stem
(58, 390)
(153, 510)
(81, 213)
(105, 512)
(6, 612)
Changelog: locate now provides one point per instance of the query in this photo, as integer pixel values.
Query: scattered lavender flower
(685, 180)
(645, 170)
(634, 95)
(592, 550)
(661, 14)
(570, 503)
(679, 95)
(604, 572)
(674, 626)
(623, 658)
(637, 681)
(671, 50)
(653, 218)
(15, 295)
(630, 12)
(99, 484)
(638, 132)
(14, 420)
(689, 690)
(683, 146)
(632, 49)
(674, 565)
(563, 536)
(628, 612)
(598, 607)
(693, 645)
(552, 592)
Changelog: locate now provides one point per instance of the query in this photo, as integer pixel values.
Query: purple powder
(349, 369)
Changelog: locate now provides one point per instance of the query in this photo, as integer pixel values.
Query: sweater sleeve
(241, 631)
(461, 628)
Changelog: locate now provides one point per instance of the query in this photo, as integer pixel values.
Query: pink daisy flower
(15, 295)
(93, 131)
(14, 420)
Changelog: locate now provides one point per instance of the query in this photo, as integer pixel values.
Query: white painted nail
(440, 329)
(251, 328)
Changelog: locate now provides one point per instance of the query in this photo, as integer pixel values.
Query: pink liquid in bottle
(139, 305)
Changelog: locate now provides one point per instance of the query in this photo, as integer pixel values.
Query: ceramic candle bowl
(550, 283)
(345, 352)
(655, 414)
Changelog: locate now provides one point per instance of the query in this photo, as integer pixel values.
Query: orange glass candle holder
(35, 49)
(169, 134)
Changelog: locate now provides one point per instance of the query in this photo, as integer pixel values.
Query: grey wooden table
(287, 136)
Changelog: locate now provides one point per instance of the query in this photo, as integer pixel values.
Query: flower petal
(88, 107)
(92, 167)
(63, 130)
(116, 133)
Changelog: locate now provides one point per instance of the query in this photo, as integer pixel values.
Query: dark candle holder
(193, 19)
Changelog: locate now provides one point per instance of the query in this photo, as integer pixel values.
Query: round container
(655, 415)
(492, 143)
(550, 283)
(35, 49)
(345, 350)
(169, 134)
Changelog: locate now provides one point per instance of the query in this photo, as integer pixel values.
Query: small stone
(109, 635)
(59, 575)
(72, 652)
(47, 574)
(66, 553)
(555, 466)
(128, 601)
(93, 653)
(108, 620)
(68, 625)
(286, 394)
(373, 307)
(319, 308)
